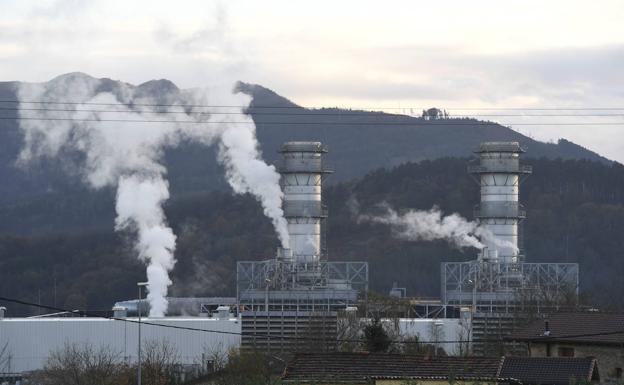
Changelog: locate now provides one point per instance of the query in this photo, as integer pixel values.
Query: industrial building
(26, 343)
(299, 293)
(498, 284)
(297, 300)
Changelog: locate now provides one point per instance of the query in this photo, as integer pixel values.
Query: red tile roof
(586, 328)
(549, 370)
(358, 367)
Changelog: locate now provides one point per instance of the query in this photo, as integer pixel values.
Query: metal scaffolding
(275, 274)
(495, 287)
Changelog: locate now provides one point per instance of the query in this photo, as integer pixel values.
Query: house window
(618, 372)
(565, 352)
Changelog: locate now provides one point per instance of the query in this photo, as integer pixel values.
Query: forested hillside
(575, 214)
(360, 141)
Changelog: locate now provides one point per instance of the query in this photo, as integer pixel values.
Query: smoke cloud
(247, 173)
(429, 225)
(93, 122)
(139, 207)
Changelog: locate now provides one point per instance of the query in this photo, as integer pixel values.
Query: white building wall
(30, 341)
(435, 331)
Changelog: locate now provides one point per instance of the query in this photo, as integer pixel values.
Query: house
(550, 370)
(589, 334)
(393, 369)
(381, 368)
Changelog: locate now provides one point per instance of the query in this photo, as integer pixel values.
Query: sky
(384, 55)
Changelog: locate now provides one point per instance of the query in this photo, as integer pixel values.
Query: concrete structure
(26, 343)
(283, 296)
(500, 173)
(302, 172)
(498, 284)
(289, 331)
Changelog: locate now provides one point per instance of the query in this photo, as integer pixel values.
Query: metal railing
(502, 168)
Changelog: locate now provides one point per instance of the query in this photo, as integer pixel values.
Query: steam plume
(429, 225)
(128, 156)
(139, 205)
(247, 173)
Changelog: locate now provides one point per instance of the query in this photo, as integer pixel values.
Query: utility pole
(139, 285)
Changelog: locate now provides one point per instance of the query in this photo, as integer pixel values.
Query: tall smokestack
(302, 176)
(500, 175)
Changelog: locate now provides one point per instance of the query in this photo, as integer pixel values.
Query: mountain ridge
(359, 141)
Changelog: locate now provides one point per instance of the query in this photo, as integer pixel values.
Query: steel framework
(501, 287)
(274, 274)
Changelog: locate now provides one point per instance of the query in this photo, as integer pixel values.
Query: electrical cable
(342, 114)
(340, 123)
(317, 107)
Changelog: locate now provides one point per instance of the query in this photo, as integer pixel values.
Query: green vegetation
(575, 214)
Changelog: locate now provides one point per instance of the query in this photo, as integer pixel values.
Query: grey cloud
(565, 75)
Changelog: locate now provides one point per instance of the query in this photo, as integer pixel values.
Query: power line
(252, 106)
(303, 338)
(338, 123)
(342, 114)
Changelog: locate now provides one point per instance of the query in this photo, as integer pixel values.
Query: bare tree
(349, 331)
(213, 358)
(246, 368)
(82, 365)
(160, 365)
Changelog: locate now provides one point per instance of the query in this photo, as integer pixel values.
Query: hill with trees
(360, 141)
(575, 214)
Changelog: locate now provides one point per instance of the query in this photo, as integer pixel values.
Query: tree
(434, 113)
(160, 363)
(245, 368)
(349, 330)
(82, 364)
(412, 345)
(377, 340)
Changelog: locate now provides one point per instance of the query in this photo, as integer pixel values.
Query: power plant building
(498, 283)
(27, 343)
(292, 302)
(298, 293)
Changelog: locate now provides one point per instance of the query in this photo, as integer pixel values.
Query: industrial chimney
(499, 174)
(302, 175)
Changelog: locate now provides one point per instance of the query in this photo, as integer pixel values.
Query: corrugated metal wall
(30, 341)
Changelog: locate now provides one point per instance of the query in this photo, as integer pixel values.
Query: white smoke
(139, 205)
(128, 155)
(247, 173)
(429, 225)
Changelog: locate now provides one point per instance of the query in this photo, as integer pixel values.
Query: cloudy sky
(374, 54)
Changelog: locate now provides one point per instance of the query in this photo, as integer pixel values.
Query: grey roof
(586, 328)
(549, 370)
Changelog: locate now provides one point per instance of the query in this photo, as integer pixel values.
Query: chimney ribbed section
(302, 172)
(499, 174)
